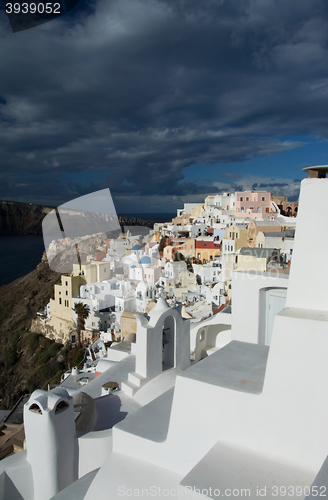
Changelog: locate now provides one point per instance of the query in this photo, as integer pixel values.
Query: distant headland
(26, 218)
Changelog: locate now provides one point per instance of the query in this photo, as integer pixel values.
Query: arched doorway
(168, 343)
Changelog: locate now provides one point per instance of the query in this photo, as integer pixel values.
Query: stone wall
(55, 328)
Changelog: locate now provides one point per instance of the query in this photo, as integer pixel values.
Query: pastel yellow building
(61, 305)
(188, 248)
(207, 249)
(93, 272)
(195, 212)
(181, 220)
(256, 259)
(61, 324)
(238, 234)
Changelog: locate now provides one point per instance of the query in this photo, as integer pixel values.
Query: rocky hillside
(29, 361)
(26, 218)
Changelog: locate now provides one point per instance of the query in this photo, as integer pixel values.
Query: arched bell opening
(169, 342)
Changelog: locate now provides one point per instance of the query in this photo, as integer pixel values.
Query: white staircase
(133, 384)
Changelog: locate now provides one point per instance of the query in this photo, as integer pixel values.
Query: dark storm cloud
(237, 187)
(142, 89)
(290, 188)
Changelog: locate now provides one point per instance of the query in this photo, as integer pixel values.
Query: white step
(129, 388)
(136, 379)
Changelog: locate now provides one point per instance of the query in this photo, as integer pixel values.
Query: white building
(248, 420)
(173, 269)
(209, 273)
(152, 274)
(144, 293)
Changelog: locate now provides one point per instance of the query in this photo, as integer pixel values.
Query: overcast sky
(164, 101)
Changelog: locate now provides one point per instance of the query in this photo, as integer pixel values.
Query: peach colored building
(254, 204)
(267, 226)
(168, 252)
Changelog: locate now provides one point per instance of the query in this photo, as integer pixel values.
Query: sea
(19, 255)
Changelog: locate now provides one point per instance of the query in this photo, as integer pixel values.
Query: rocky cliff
(26, 218)
(21, 218)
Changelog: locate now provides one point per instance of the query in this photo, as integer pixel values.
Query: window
(35, 408)
(66, 283)
(62, 405)
(93, 323)
(241, 198)
(66, 292)
(247, 198)
(263, 198)
(104, 269)
(73, 339)
(236, 235)
(59, 300)
(267, 209)
(82, 273)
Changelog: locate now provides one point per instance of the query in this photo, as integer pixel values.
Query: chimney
(317, 172)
